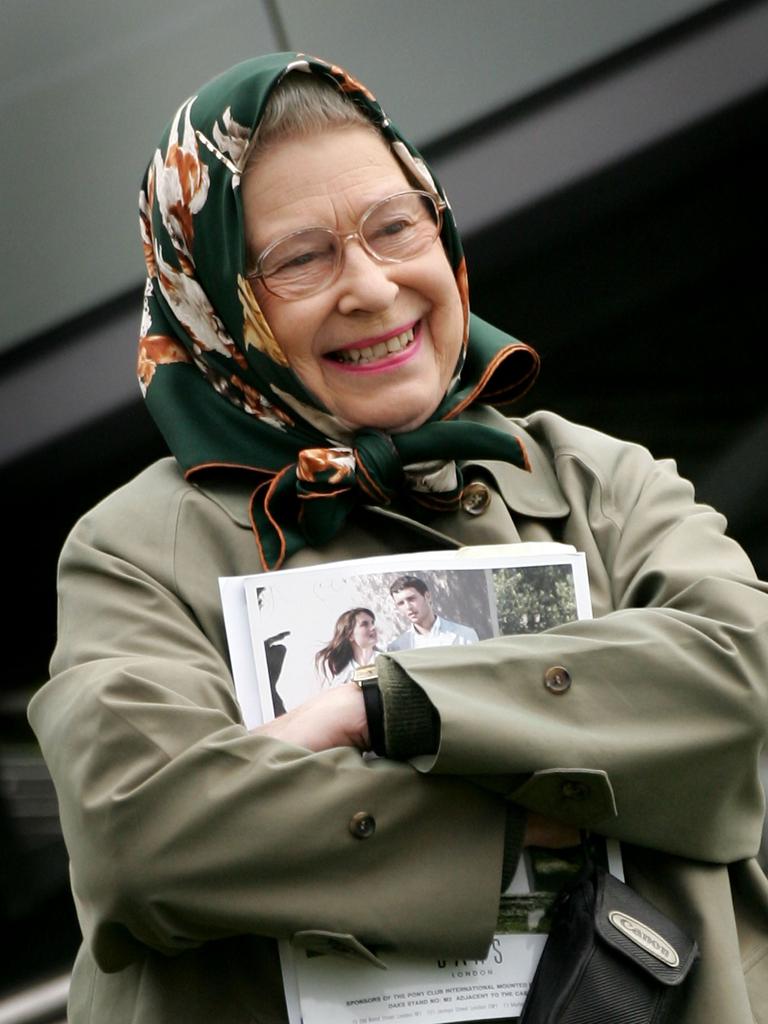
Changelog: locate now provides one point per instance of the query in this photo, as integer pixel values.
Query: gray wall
(86, 87)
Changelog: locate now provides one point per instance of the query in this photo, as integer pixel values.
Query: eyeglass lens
(397, 228)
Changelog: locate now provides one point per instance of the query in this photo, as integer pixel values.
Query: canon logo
(644, 937)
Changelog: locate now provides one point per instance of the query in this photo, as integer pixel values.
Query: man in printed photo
(427, 628)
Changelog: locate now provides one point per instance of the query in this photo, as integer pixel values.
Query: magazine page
(332, 990)
(477, 594)
(238, 630)
(473, 594)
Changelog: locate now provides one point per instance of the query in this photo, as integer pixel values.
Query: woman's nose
(363, 283)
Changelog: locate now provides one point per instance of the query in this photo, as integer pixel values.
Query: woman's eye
(394, 227)
(302, 259)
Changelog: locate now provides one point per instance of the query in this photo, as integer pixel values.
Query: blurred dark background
(614, 213)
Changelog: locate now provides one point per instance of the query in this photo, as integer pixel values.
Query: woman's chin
(395, 415)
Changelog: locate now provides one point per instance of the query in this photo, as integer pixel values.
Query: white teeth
(377, 351)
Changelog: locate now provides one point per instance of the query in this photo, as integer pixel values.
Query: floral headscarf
(215, 379)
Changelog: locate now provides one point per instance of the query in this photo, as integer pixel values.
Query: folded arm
(666, 690)
(183, 827)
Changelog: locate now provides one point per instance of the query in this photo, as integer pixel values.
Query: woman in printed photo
(354, 644)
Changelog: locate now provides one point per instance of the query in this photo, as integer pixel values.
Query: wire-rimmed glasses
(392, 230)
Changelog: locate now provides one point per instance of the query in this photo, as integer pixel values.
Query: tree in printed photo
(533, 598)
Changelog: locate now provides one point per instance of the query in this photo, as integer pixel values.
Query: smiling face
(404, 319)
(364, 634)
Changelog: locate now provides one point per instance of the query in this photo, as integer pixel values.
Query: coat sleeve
(665, 693)
(183, 827)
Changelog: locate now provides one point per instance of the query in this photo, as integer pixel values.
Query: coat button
(557, 679)
(362, 825)
(475, 499)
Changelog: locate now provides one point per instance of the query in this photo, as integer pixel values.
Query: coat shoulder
(565, 439)
(160, 507)
(589, 462)
(138, 502)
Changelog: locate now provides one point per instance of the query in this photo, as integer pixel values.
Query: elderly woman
(307, 351)
(352, 646)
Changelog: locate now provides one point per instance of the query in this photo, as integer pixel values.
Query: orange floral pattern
(256, 330)
(255, 404)
(331, 465)
(192, 308)
(146, 202)
(349, 83)
(156, 350)
(462, 284)
(182, 182)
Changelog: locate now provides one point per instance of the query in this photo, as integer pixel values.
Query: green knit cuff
(411, 723)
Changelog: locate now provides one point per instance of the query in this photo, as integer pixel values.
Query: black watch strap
(367, 679)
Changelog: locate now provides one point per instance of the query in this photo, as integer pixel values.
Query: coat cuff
(411, 723)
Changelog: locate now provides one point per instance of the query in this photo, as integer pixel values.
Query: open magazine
(281, 628)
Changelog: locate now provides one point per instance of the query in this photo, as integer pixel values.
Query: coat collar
(536, 494)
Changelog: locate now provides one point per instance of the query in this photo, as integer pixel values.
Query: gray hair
(302, 105)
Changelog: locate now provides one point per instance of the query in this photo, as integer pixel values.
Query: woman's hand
(333, 718)
(541, 831)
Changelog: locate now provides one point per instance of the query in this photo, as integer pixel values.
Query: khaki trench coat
(194, 844)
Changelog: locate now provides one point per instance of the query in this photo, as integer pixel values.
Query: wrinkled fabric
(216, 380)
(194, 842)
